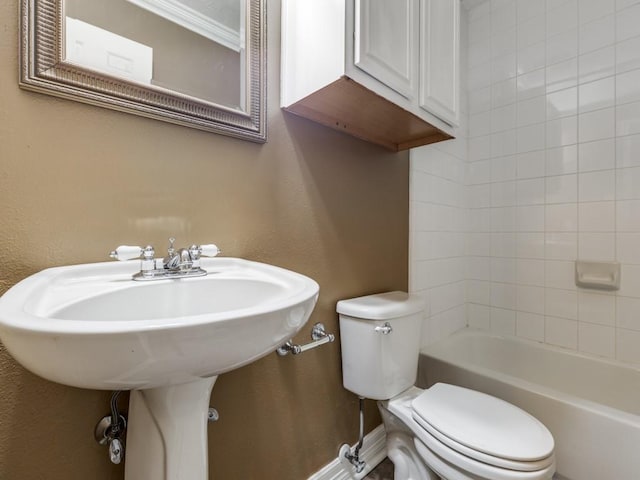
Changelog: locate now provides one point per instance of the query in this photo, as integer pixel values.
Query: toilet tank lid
(381, 306)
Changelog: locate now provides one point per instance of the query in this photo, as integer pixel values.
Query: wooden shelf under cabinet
(347, 106)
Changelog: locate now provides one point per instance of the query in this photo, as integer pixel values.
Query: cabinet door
(386, 42)
(439, 58)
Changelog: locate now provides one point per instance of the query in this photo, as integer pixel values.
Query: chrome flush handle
(385, 329)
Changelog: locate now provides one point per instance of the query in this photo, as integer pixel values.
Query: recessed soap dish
(598, 275)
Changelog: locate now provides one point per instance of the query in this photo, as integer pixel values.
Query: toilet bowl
(446, 431)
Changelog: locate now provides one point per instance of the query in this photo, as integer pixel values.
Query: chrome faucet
(180, 263)
(180, 260)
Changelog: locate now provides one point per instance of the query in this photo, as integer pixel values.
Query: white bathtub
(591, 406)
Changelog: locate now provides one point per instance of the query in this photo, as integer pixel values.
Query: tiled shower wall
(437, 250)
(552, 174)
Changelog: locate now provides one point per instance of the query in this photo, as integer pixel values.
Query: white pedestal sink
(91, 326)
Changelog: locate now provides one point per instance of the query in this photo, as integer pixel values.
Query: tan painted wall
(77, 180)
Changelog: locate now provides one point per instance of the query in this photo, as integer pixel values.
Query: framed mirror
(197, 63)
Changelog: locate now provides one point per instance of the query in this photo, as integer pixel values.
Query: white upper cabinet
(440, 58)
(382, 70)
(386, 43)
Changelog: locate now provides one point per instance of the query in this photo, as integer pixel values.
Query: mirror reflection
(193, 47)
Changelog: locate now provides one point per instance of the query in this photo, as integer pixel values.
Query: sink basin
(91, 326)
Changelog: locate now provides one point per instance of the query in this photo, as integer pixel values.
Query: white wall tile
(562, 131)
(503, 321)
(503, 194)
(628, 249)
(597, 125)
(627, 55)
(597, 34)
(503, 168)
(596, 95)
(620, 4)
(503, 42)
(562, 19)
(630, 287)
(532, 110)
(530, 326)
(627, 22)
(503, 245)
(530, 218)
(561, 189)
(530, 299)
(597, 340)
(527, 9)
(479, 100)
(562, 103)
(503, 16)
(478, 292)
(530, 245)
(562, 47)
(597, 64)
(503, 295)
(503, 93)
(596, 186)
(503, 270)
(628, 151)
(590, 10)
(562, 160)
(628, 87)
(628, 183)
(531, 164)
(531, 31)
(530, 191)
(562, 75)
(504, 143)
(561, 246)
(596, 217)
(530, 272)
(559, 274)
(550, 173)
(628, 346)
(628, 119)
(628, 216)
(598, 155)
(561, 332)
(596, 308)
(628, 313)
(562, 217)
(532, 57)
(479, 316)
(597, 246)
(479, 172)
(531, 137)
(503, 118)
(503, 67)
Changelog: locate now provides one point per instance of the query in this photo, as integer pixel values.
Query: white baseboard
(373, 451)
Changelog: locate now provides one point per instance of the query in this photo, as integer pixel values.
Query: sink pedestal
(167, 432)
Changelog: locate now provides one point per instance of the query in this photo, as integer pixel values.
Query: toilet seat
(436, 439)
(484, 427)
(483, 449)
(455, 466)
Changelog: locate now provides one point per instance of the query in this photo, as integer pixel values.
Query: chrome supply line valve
(111, 430)
(179, 263)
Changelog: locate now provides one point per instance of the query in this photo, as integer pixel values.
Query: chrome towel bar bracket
(318, 335)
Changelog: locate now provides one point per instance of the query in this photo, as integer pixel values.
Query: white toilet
(445, 432)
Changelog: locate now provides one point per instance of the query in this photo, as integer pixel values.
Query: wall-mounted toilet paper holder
(318, 335)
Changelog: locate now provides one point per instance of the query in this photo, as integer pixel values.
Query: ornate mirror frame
(43, 69)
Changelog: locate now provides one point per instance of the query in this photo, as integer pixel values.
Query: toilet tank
(379, 362)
